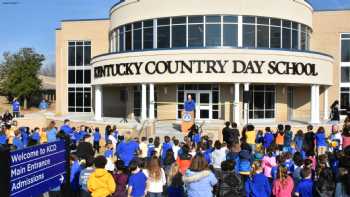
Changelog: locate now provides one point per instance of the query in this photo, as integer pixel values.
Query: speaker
(246, 96)
(123, 95)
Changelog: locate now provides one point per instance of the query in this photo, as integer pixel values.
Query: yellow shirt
(250, 135)
(43, 137)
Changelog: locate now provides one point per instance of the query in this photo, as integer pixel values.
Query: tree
(18, 74)
(49, 70)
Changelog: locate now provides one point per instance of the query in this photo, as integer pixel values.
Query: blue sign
(38, 169)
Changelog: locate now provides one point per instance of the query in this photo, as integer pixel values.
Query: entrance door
(203, 101)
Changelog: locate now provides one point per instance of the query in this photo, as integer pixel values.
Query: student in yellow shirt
(250, 136)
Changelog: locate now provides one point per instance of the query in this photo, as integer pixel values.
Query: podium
(187, 120)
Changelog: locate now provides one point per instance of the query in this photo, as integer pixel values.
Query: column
(236, 104)
(246, 105)
(151, 101)
(315, 104)
(325, 104)
(98, 102)
(143, 102)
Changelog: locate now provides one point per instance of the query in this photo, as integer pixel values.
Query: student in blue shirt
(299, 139)
(15, 108)
(17, 141)
(127, 149)
(190, 105)
(24, 135)
(150, 147)
(165, 147)
(258, 184)
(321, 141)
(3, 138)
(97, 139)
(268, 137)
(108, 149)
(305, 187)
(82, 132)
(43, 105)
(51, 132)
(288, 136)
(36, 135)
(66, 128)
(75, 170)
(137, 181)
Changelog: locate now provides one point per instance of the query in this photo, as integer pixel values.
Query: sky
(32, 23)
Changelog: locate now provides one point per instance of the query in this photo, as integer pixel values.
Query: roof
(47, 82)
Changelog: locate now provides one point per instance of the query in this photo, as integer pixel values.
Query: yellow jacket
(250, 135)
(101, 183)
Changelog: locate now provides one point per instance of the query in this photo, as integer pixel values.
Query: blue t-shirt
(196, 138)
(108, 153)
(82, 134)
(138, 183)
(268, 139)
(3, 139)
(66, 129)
(305, 188)
(97, 136)
(190, 106)
(258, 185)
(36, 136)
(274, 170)
(150, 149)
(43, 105)
(165, 148)
(126, 151)
(321, 139)
(18, 143)
(15, 106)
(24, 135)
(51, 135)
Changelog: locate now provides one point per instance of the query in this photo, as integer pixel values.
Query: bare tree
(48, 70)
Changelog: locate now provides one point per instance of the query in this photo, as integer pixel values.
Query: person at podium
(190, 104)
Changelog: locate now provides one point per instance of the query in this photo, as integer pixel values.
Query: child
(184, 159)
(155, 177)
(176, 148)
(259, 152)
(109, 156)
(17, 141)
(121, 179)
(218, 156)
(75, 170)
(283, 185)
(196, 138)
(336, 140)
(288, 136)
(143, 148)
(244, 163)
(175, 183)
(36, 135)
(321, 142)
(168, 161)
(298, 163)
(137, 181)
(257, 184)
(305, 187)
(3, 138)
(274, 170)
(298, 140)
(97, 138)
(150, 147)
(280, 137)
(100, 182)
(268, 137)
(84, 175)
(230, 183)
(259, 138)
(157, 147)
(268, 162)
(165, 147)
(289, 164)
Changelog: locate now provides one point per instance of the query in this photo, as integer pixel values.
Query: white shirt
(176, 151)
(114, 142)
(218, 156)
(144, 149)
(155, 186)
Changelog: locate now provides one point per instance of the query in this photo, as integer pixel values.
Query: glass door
(203, 100)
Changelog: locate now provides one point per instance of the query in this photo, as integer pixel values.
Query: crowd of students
(273, 162)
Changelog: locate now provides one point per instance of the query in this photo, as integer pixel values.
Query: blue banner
(36, 170)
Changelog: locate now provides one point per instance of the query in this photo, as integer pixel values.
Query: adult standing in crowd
(16, 108)
(309, 141)
(334, 115)
(226, 132)
(127, 149)
(66, 127)
(7, 117)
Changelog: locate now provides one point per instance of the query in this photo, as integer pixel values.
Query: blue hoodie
(3, 139)
(51, 135)
(258, 186)
(18, 143)
(97, 136)
(74, 176)
(244, 162)
(321, 139)
(268, 139)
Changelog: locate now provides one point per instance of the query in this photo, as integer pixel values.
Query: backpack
(230, 184)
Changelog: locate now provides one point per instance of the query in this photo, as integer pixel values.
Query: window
(79, 99)
(179, 32)
(195, 31)
(213, 31)
(262, 102)
(295, 36)
(345, 50)
(345, 74)
(163, 33)
(230, 31)
(303, 37)
(137, 36)
(287, 37)
(128, 34)
(79, 76)
(263, 32)
(275, 31)
(344, 100)
(148, 34)
(121, 39)
(249, 31)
